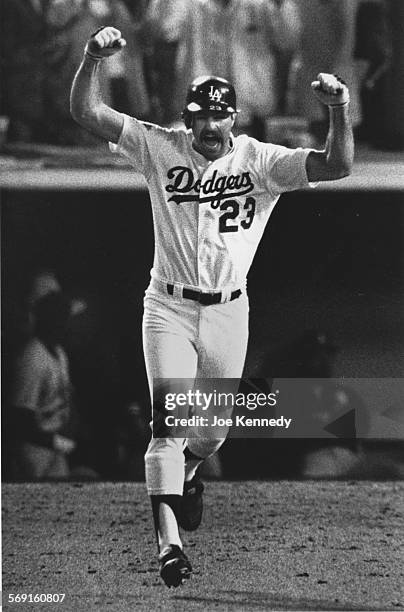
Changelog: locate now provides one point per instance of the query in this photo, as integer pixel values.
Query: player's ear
(187, 118)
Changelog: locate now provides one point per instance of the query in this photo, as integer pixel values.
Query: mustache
(214, 133)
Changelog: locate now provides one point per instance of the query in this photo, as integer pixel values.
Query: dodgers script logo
(186, 188)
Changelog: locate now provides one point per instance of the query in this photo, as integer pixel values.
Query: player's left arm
(336, 160)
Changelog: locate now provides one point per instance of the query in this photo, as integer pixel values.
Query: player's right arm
(86, 104)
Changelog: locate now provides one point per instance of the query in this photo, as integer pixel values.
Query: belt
(206, 299)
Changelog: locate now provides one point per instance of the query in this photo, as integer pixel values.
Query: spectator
(373, 52)
(286, 59)
(41, 48)
(240, 40)
(23, 69)
(41, 399)
(125, 87)
(325, 401)
(327, 45)
(308, 394)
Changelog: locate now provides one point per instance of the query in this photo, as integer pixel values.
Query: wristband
(95, 58)
(339, 105)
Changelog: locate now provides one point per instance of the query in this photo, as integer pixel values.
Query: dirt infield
(262, 546)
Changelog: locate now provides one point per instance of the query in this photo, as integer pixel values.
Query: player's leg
(169, 354)
(222, 347)
(164, 459)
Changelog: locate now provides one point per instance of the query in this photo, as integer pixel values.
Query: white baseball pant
(184, 339)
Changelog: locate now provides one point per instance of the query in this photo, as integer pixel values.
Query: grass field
(262, 546)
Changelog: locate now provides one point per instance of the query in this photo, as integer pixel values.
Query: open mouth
(211, 140)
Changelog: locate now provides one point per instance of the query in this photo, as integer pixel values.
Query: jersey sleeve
(144, 144)
(136, 142)
(284, 169)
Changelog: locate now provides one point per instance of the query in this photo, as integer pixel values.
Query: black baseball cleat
(191, 505)
(175, 567)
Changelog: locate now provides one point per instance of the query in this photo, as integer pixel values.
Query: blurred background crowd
(270, 49)
(76, 405)
(75, 397)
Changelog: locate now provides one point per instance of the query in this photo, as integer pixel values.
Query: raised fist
(330, 89)
(105, 42)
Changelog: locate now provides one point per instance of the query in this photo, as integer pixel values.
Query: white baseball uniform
(208, 217)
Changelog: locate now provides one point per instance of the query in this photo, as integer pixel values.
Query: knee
(164, 447)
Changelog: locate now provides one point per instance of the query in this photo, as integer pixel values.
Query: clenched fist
(104, 42)
(330, 89)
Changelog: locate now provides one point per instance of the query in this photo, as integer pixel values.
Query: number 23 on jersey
(233, 218)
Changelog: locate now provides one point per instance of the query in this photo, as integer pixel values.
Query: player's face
(211, 132)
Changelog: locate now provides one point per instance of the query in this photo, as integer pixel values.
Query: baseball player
(211, 195)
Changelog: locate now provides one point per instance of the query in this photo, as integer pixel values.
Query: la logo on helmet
(215, 94)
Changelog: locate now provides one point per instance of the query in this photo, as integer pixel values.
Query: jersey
(42, 384)
(208, 216)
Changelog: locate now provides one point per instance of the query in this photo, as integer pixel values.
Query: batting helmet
(209, 93)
